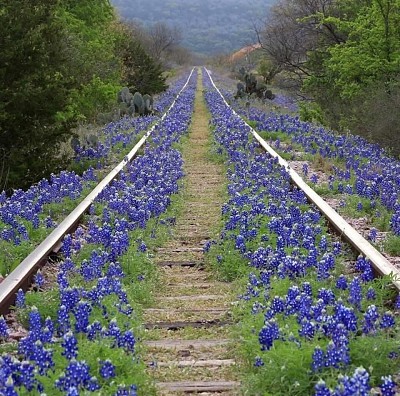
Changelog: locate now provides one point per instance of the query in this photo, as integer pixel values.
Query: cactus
(240, 91)
(252, 87)
(138, 102)
(131, 110)
(130, 104)
(123, 94)
(148, 104)
(123, 109)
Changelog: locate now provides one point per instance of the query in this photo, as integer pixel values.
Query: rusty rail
(21, 277)
(380, 264)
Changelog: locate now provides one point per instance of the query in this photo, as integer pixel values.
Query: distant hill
(208, 26)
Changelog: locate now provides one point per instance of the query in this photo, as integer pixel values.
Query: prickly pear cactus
(138, 103)
(123, 95)
(148, 104)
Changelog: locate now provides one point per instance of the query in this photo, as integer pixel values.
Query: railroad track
(381, 265)
(21, 276)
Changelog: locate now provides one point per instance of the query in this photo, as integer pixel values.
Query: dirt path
(188, 327)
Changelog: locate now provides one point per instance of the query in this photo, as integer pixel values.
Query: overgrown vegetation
(63, 62)
(344, 55)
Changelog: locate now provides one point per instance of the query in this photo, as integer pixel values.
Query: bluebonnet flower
(127, 341)
(107, 369)
(39, 279)
(268, 334)
(341, 282)
(346, 316)
(318, 359)
(371, 317)
(307, 329)
(49, 222)
(82, 312)
(307, 289)
(63, 321)
(337, 247)
(9, 389)
(70, 345)
(371, 294)
(69, 297)
(42, 357)
(93, 330)
(77, 374)
(126, 390)
(20, 299)
(35, 321)
(373, 233)
(388, 386)
(321, 389)
(258, 362)
(358, 384)
(4, 330)
(387, 320)
(363, 265)
(323, 244)
(67, 246)
(355, 293)
(26, 376)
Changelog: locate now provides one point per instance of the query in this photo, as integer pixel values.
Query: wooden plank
(197, 363)
(180, 264)
(198, 386)
(186, 344)
(181, 324)
(194, 298)
(169, 310)
(200, 285)
(179, 250)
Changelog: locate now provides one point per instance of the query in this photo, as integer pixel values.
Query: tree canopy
(63, 61)
(345, 55)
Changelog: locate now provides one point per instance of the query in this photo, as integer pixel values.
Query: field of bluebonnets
(28, 216)
(82, 334)
(364, 175)
(312, 321)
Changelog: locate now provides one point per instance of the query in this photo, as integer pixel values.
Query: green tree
(94, 66)
(372, 51)
(33, 88)
(139, 71)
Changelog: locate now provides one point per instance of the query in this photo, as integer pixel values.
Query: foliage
(140, 72)
(33, 89)
(345, 55)
(61, 64)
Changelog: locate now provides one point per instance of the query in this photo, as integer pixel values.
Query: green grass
(392, 245)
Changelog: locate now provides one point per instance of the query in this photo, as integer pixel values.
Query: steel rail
(20, 277)
(380, 264)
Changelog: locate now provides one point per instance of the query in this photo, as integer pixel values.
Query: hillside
(208, 26)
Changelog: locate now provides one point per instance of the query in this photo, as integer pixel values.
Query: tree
(296, 36)
(59, 65)
(33, 89)
(139, 71)
(162, 40)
